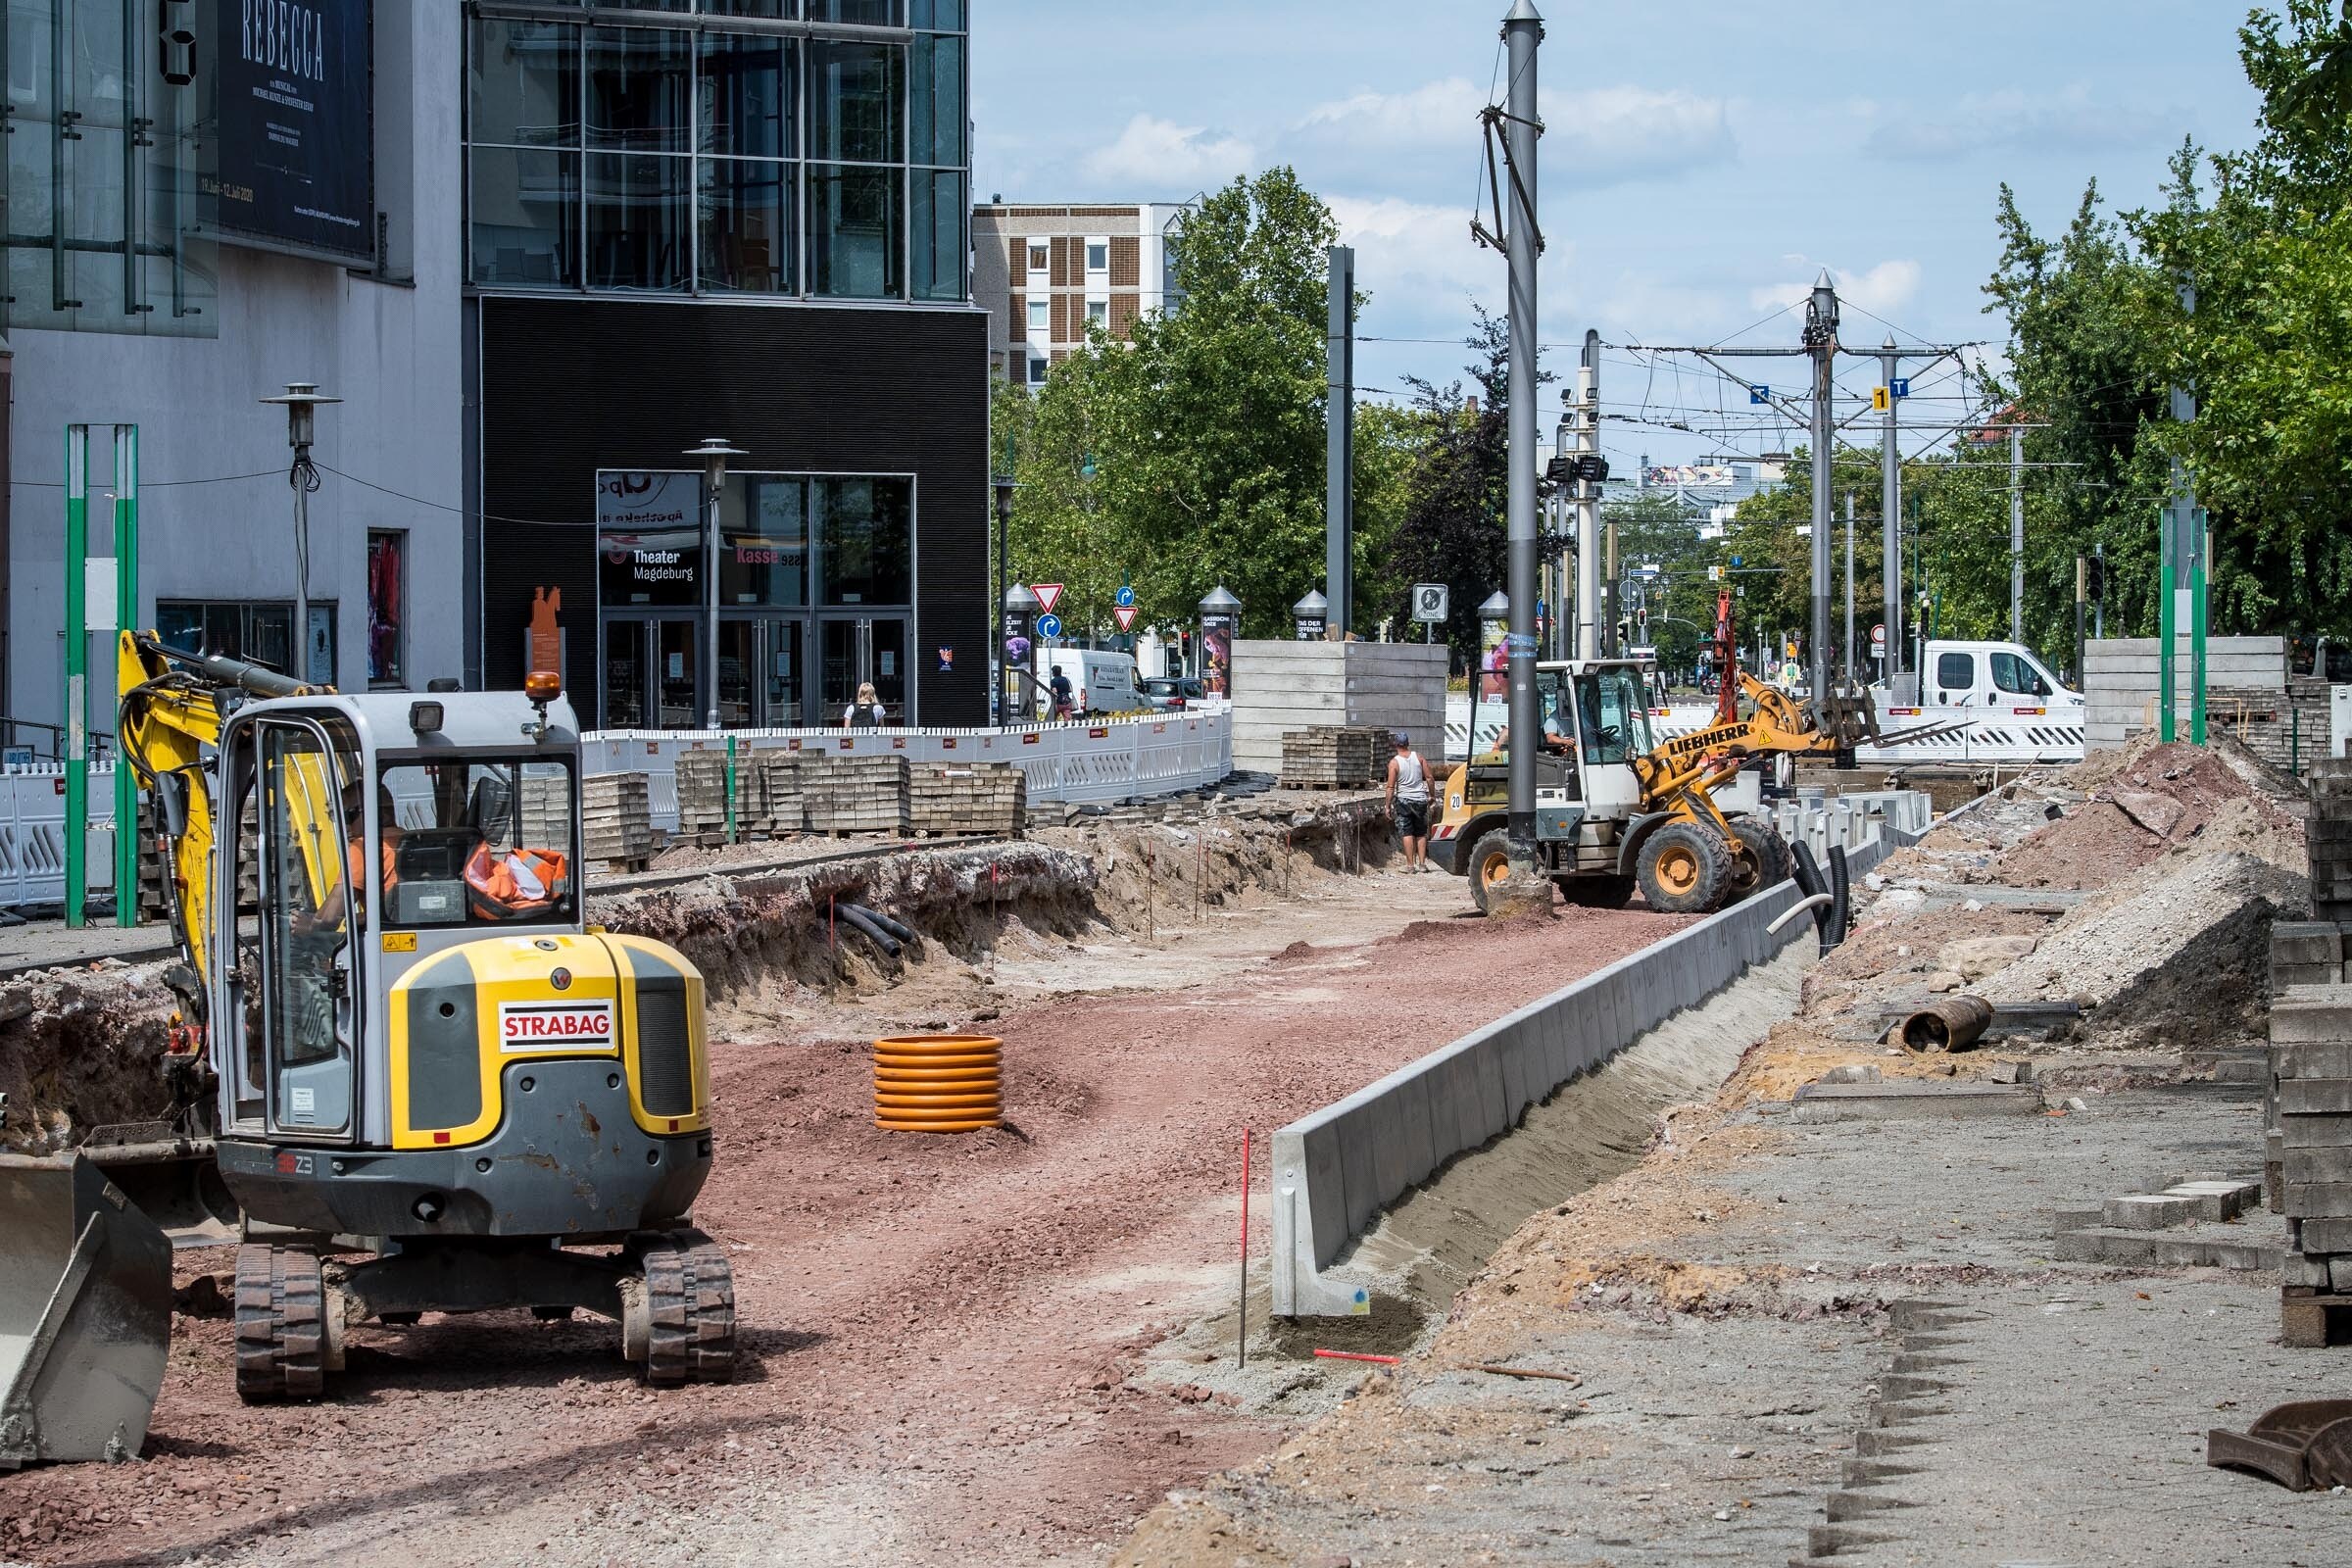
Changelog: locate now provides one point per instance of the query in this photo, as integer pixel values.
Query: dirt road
(940, 1336)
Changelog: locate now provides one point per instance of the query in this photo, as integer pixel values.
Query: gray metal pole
(1588, 503)
(302, 572)
(710, 603)
(1339, 439)
(1890, 514)
(2017, 533)
(1851, 678)
(1523, 33)
(1821, 337)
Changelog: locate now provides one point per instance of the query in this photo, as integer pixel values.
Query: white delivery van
(1101, 681)
(1992, 701)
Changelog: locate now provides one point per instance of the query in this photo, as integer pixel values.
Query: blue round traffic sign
(1048, 625)
(1124, 597)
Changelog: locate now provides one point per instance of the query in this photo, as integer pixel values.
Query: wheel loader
(1614, 809)
(428, 1085)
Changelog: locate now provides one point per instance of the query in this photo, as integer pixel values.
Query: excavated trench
(82, 1050)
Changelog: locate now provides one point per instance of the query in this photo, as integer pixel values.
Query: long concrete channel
(1339, 1168)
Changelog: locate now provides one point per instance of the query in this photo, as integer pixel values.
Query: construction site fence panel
(1337, 1170)
(1078, 762)
(33, 832)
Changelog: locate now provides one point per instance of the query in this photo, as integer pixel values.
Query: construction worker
(1407, 797)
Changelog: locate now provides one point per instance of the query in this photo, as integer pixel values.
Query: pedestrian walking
(1407, 796)
(866, 712)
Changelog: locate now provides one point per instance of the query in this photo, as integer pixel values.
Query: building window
(1098, 313)
(866, 531)
(1037, 371)
(1038, 256)
(387, 609)
(1097, 256)
(1037, 316)
(259, 632)
(702, 157)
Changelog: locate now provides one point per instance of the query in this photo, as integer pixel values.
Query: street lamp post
(714, 452)
(301, 402)
(1005, 486)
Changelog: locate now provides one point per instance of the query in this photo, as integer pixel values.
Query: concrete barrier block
(1324, 1186)
(1513, 1042)
(1487, 1054)
(1362, 1129)
(1455, 1119)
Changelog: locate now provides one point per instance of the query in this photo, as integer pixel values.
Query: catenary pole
(2017, 533)
(1851, 678)
(1588, 503)
(1821, 338)
(1890, 513)
(1522, 34)
(1338, 441)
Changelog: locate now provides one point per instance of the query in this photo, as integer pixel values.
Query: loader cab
(360, 836)
(1595, 721)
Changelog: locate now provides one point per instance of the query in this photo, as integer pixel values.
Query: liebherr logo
(281, 35)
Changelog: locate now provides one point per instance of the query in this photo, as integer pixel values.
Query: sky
(1703, 163)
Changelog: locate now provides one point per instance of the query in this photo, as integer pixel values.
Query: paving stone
(2301, 1097)
(2315, 1132)
(2314, 1015)
(2218, 1199)
(1907, 1099)
(2323, 1235)
(2147, 1211)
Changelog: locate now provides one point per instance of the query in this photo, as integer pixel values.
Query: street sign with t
(1125, 615)
(1430, 601)
(1900, 387)
(1877, 638)
(1759, 392)
(1049, 594)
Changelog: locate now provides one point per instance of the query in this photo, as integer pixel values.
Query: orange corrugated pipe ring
(938, 1083)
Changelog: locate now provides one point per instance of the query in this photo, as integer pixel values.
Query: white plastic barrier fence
(33, 832)
(1079, 763)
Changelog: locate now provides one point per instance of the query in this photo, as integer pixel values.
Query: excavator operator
(355, 853)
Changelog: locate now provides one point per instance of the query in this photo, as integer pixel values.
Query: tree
(1450, 529)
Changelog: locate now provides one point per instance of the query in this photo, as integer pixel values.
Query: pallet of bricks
(852, 793)
(616, 820)
(701, 778)
(2308, 1158)
(948, 798)
(785, 778)
(1327, 756)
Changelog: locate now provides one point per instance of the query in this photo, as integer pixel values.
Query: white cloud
(1161, 155)
(1886, 287)
(1401, 243)
(1591, 138)
(1979, 123)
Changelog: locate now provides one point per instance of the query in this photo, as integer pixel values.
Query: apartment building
(1046, 274)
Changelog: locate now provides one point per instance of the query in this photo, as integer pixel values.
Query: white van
(1101, 681)
(1980, 701)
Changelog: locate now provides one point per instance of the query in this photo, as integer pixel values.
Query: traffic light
(176, 41)
(2096, 579)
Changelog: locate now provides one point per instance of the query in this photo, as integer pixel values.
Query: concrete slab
(1902, 1100)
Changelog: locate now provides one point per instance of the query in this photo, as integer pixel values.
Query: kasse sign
(297, 143)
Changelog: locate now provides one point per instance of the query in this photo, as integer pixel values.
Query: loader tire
(1761, 857)
(1685, 869)
(1488, 863)
(281, 1324)
(690, 1298)
(1594, 891)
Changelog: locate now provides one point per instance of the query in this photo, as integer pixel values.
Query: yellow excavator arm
(168, 715)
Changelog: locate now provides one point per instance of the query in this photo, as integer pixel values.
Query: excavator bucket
(86, 1313)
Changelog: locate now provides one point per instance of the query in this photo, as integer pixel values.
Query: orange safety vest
(357, 863)
(495, 883)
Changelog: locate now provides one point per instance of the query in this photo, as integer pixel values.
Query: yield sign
(1126, 616)
(1049, 594)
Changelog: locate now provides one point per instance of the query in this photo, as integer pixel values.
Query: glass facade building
(809, 149)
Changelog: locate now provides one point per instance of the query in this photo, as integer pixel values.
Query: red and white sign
(1878, 636)
(1125, 615)
(1049, 594)
(555, 1025)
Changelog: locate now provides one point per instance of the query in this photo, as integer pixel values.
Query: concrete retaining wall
(1336, 1171)
(1283, 686)
(2122, 677)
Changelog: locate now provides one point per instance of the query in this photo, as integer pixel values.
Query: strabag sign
(555, 1025)
(297, 139)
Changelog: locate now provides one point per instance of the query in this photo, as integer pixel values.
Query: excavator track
(690, 1299)
(281, 1323)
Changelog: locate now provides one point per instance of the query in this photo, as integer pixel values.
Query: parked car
(1169, 692)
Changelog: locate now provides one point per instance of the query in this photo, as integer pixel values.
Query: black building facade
(712, 224)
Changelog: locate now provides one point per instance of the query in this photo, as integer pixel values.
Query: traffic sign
(1124, 597)
(1125, 615)
(1877, 638)
(1759, 392)
(1900, 387)
(1880, 402)
(1430, 601)
(1048, 626)
(1049, 594)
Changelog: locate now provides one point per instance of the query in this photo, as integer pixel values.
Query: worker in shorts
(1407, 796)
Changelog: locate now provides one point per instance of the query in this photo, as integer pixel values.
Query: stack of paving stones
(963, 797)
(1327, 756)
(703, 794)
(546, 813)
(2190, 1222)
(858, 794)
(154, 904)
(617, 819)
(785, 777)
(2310, 1153)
